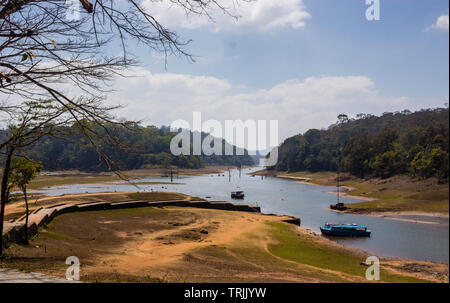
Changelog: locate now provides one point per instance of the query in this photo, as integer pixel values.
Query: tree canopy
(141, 147)
(393, 143)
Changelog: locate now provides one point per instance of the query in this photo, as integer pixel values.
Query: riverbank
(174, 244)
(399, 195)
(60, 178)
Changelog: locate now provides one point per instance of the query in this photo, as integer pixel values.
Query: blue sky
(320, 58)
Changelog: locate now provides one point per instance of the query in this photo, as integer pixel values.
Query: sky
(301, 62)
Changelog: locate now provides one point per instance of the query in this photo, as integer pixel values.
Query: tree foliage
(141, 147)
(23, 170)
(394, 143)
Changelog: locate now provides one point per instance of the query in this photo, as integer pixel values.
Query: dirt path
(160, 248)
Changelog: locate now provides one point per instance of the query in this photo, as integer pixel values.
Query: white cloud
(255, 15)
(297, 104)
(441, 23)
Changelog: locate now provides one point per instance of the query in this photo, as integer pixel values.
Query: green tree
(439, 163)
(24, 170)
(358, 155)
(386, 164)
(421, 165)
(374, 146)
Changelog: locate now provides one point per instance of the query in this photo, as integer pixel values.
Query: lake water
(390, 238)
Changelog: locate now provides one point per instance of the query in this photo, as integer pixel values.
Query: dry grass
(175, 244)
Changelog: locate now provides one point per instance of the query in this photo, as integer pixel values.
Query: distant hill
(259, 156)
(141, 147)
(416, 143)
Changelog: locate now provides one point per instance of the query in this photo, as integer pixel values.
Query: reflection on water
(390, 238)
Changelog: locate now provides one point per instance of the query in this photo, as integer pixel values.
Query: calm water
(390, 238)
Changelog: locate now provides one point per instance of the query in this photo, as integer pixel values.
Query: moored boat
(338, 206)
(237, 195)
(345, 230)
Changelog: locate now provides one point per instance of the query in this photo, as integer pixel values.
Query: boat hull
(345, 233)
(237, 196)
(338, 206)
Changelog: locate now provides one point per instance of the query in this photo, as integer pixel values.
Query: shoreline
(383, 215)
(390, 216)
(346, 192)
(63, 178)
(245, 218)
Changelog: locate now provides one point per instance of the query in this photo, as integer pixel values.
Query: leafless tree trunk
(43, 53)
(4, 193)
(26, 214)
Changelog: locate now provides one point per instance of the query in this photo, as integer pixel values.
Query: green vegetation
(22, 172)
(156, 196)
(138, 211)
(45, 233)
(369, 146)
(305, 250)
(140, 147)
(47, 181)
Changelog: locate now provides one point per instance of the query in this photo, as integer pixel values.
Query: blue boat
(345, 230)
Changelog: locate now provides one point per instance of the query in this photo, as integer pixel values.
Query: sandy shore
(346, 194)
(401, 187)
(345, 189)
(423, 220)
(415, 213)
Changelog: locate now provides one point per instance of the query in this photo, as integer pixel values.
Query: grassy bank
(174, 244)
(306, 250)
(395, 194)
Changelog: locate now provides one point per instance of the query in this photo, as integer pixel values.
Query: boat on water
(345, 230)
(339, 205)
(237, 195)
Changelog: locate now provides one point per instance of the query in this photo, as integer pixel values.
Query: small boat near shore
(237, 195)
(345, 230)
(338, 206)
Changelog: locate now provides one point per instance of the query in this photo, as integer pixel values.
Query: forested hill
(415, 143)
(141, 147)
